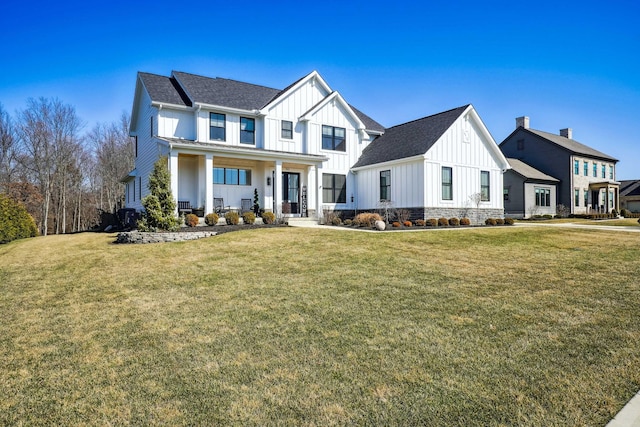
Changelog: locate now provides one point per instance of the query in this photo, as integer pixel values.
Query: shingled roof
(572, 145)
(630, 188)
(409, 139)
(186, 89)
(529, 172)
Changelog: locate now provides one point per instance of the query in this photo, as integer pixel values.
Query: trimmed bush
(232, 218)
(396, 224)
(465, 221)
(443, 222)
(348, 222)
(268, 218)
(336, 220)
(248, 217)
(191, 220)
(211, 219)
(407, 223)
(499, 221)
(490, 221)
(420, 222)
(367, 219)
(508, 221)
(432, 222)
(454, 222)
(15, 221)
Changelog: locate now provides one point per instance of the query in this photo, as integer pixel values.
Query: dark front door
(290, 192)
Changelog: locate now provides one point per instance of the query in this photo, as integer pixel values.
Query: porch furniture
(218, 205)
(184, 207)
(246, 205)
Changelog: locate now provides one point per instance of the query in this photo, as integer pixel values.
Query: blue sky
(564, 64)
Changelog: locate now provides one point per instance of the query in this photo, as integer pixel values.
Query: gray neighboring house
(528, 192)
(586, 177)
(630, 195)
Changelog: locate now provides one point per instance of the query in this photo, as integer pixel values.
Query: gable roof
(409, 139)
(630, 188)
(570, 145)
(529, 172)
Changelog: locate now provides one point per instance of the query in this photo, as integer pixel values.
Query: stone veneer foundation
(150, 237)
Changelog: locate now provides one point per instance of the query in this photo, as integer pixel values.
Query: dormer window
(247, 131)
(217, 130)
(333, 138)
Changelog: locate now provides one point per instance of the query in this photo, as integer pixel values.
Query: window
(595, 170)
(333, 138)
(484, 186)
(334, 188)
(231, 176)
(576, 167)
(586, 198)
(247, 131)
(385, 185)
(610, 172)
(586, 168)
(576, 197)
(505, 194)
(447, 183)
(217, 127)
(151, 126)
(543, 196)
(135, 138)
(286, 130)
(520, 144)
(604, 170)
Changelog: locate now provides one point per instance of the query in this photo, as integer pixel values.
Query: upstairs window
(595, 170)
(247, 131)
(610, 172)
(484, 186)
(604, 170)
(286, 129)
(586, 168)
(333, 138)
(447, 183)
(385, 185)
(217, 127)
(576, 167)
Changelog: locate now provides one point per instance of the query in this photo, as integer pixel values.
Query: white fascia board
(161, 105)
(230, 110)
(493, 146)
(312, 75)
(333, 96)
(390, 163)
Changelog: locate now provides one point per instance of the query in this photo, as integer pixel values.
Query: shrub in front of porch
(211, 219)
(248, 218)
(191, 220)
(232, 218)
(268, 218)
(367, 219)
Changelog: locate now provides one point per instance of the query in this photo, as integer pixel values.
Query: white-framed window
(576, 167)
(543, 196)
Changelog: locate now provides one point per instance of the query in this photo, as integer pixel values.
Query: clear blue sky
(564, 64)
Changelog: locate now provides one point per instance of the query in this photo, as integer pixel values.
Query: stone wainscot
(150, 237)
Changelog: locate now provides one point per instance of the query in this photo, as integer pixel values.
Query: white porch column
(319, 213)
(277, 182)
(173, 172)
(208, 184)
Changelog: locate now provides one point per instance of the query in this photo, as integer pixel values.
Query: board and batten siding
(406, 190)
(176, 124)
(232, 128)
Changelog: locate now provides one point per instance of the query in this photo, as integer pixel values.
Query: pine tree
(159, 206)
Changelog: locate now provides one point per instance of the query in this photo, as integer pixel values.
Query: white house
(442, 165)
(305, 150)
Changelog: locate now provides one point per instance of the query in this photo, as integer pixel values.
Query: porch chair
(246, 205)
(218, 205)
(184, 207)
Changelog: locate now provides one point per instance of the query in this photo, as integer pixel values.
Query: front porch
(604, 197)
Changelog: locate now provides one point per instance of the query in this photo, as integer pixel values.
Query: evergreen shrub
(15, 221)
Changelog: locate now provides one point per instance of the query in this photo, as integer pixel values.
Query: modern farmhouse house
(305, 150)
(586, 177)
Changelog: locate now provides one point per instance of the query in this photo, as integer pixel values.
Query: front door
(290, 192)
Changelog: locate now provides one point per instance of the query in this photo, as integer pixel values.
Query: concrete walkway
(629, 416)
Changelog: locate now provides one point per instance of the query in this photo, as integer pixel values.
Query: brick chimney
(522, 122)
(567, 133)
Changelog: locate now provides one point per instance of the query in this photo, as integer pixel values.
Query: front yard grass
(495, 326)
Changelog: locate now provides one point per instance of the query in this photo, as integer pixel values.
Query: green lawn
(492, 326)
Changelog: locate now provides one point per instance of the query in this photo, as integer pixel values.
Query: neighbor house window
(447, 183)
(333, 138)
(586, 198)
(232, 176)
(217, 127)
(595, 170)
(604, 170)
(576, 197)
(543, 196)
(576, 167)
(586, 168)
(334, 188)
(610, 199)
(151, 126)
(247, 131)
(520, 144)
(610, 172)
(286, 129)
(484, 186)
(505, 194)
(385, 185)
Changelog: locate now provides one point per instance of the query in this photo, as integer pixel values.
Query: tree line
(64, 176)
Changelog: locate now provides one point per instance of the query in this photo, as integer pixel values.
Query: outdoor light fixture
(268, 180)
(352, 198)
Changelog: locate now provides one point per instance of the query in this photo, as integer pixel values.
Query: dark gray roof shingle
(164, 89)
(529, 172)
(630, 188)
(409, 139)
(572, 145)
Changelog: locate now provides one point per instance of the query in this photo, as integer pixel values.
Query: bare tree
(7, 151)
(49, 138)
(476, 198)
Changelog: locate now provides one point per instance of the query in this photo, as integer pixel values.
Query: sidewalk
(629, 416)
